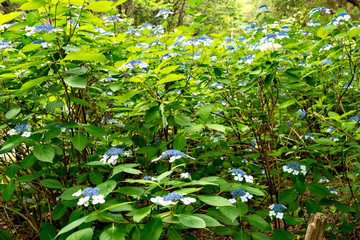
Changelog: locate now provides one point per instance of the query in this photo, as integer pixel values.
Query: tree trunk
(316, 227)
(356, 3)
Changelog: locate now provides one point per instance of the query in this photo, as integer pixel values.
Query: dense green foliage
(112, 129)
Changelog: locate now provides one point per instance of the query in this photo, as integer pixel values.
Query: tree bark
(316, 227)
(356, 3)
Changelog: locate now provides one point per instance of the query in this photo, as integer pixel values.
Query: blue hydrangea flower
(147, 26)
(324, 179)
(282, 35)
(165, 13)
(23, 128)
(172, 199)
(149, 178)
(334, 138)
(134, 64)
(313, 23)
(173, 154)
(332, 190)
(277, 210)
(355, 119)
(244, 196)
(113, 18)
(323, 9)
(308, 135)
(288, 123)
(248, 59)
(240, 175)
(326, 62)
(326, 47)
(294, 168)
(132, 32)
(301, 113)
(302, 64)
(285, 29)
(263, 8)
(330, 129)
(88, 192)
(112, 155)
(159, 30)
(343, 16)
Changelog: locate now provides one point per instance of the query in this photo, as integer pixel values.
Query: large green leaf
(215, 200)
(191, 221)
(318, 189)
(141, 213)
(152, 229)
(85, 56)
(51, 183)
(12, 170)
(84, 234)
(80, 141)
(44, 152)
(182, 120)
(8, 191)
(47, 231)
(257, 221)
(100, 6)
(76, 82)
(112, 233)
(72, 225)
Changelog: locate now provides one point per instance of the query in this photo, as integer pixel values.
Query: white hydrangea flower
(77, 194)
(188, 200)
(184, 175)
(270, 46)
(98, 199)
(84, 201)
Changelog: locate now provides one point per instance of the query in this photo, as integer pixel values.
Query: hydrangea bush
(162, 131)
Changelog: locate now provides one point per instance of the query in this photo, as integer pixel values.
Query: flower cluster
(185, 175)
(324, 179)
(301, 113)
(45, 28)
(134, 64)
(165, 13)
(149, 178)
(340, 19)
(174, 155)
(263, 8)
(23, 128)
(172, 199)
(240, 175)
(294, 168)
(112, 154)
(308, 135)
(313, 23)
(277, 210)
(320, 9)
(244, 196)
(88, 193)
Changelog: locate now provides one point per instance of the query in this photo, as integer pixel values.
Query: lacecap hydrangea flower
(319, 9)
(134, 64)
(263, 8)
(112, 154)
(23, 128)
(172, 199)
(165, 13)
(173, 154)
(308, 135)
(301, 113)
(89, 193)
(277, 210)
(149, 178)
(240, 175)
(324, 179)
(294, 168)
(269, 46)
(313, 23)
(185, 175)
(244, 196)
(332, 190)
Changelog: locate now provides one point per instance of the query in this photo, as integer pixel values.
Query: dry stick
(322, 119)
(21, 215)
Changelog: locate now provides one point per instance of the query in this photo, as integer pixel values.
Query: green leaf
(230, 212)
(84, 234)
(128, 168)
(36, 4)
(76, 71)
(260, 236)
(152, 230)
(205, 112)
(85, 56)
(30, 177)
(253, 191)
(217, 127)
(8, 17)
(353, 32)
(141, 213)
(318, 189)
(72, 225)
(96, 177)
(58, 212)
(123, 98)
(54, 104)
(100, 6)
(325, 30)
(68, 193)
(179, 143)
(210, 222)
(4, 235)
(47, 231)
(80, 141)
(45, 152)
(347, 227)
(112, 233)
(12, 170)
(107, 187)
(279, 234)
(182, 120)
(51, 183)
(287, 103)
(171, 78)
(257, 221)
(215, 200)
(8, 191)
(168, 70)
(312, 206)
(12, 112)
(76, 82)
(95, 131)
(191, 221)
